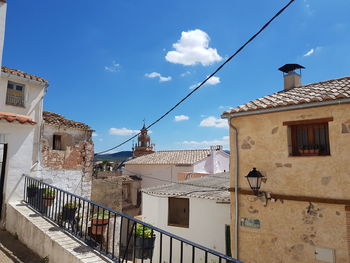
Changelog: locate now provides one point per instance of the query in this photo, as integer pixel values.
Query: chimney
(3, 6)
(291, 77)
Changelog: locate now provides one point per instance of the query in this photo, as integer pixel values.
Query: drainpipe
(235, 156)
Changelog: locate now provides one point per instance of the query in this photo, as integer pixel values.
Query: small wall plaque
(250, 222)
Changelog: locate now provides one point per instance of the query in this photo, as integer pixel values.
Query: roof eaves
(286, 108)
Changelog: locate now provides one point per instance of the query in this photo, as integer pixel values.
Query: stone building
(121, 193)
(298, 139)
(143, 146)
(66, 154)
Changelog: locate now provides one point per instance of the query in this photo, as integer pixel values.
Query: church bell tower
(143, 146)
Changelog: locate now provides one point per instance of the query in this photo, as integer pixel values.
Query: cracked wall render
(288, 233)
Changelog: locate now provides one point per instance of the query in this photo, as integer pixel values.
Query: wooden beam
(299, 198)
(313, 121)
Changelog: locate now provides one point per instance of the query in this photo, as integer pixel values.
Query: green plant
(72, 205)
(101, 215)
(140, 229)
(48, 191)
(45, 260)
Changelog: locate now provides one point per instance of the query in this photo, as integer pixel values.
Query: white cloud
(212, 81)
(112, 68)
(193, 48)
(157, 75)
(224, 141)
(309, 53)
(211, 121)
(313, 51)
(185, 73)
(181, 118)
(122, 131)
(94, 134)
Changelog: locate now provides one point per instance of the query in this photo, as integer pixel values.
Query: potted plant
(68, 211)
(144, 242)
(48, 197)
(32, 190)
(99, 222)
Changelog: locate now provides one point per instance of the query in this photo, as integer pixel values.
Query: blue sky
(112, 63)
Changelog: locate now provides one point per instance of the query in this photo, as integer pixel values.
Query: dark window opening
(310, 139)
(178, 212)
(57, 142)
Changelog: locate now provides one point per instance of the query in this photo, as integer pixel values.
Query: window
(309, 137)
(178, 212)
(15, 94)
(57, 142)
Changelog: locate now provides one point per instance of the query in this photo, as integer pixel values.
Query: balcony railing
(15, 98)
(118, 236)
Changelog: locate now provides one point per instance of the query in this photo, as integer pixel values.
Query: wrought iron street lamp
(255, 178)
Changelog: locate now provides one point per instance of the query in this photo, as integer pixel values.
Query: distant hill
(115, 157)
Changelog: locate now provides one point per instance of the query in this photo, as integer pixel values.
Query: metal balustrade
(118, 236)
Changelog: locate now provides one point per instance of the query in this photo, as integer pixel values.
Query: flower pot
(68, 213)
(31, 191)
(148, 245)
(48, 199)
(98, 226)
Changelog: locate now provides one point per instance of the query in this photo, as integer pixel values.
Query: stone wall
(121, 193)
(291, 231)
(107, 192)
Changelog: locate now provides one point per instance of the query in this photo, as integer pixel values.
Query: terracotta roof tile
(11, 117)
(59, 120)
(180, 157)
(22, 74)
(333, 89)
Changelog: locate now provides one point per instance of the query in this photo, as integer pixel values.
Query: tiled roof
(11, 117)
(180, 157)
(334, 89)
(59, 120)
(213, 187)
(22, 74)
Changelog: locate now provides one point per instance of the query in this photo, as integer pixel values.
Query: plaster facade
(290, 231)
(207, 220)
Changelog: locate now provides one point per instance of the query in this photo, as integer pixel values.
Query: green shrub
(140, 229)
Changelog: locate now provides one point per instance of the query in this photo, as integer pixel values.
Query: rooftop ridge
(327, 90)
(23, 74)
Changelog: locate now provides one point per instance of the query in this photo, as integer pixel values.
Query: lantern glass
(254, 179)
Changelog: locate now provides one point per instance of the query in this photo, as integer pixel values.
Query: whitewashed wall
(206, 227)
(19, 138)
(216, 162)
(154, 175)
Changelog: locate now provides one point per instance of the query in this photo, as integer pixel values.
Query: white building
(171, 166)
(197, 210)
(21, 103)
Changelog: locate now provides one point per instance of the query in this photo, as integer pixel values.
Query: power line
(205, 80)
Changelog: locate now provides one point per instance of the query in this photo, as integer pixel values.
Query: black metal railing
(118, 236)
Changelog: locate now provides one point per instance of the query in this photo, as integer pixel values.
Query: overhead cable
(207, 78)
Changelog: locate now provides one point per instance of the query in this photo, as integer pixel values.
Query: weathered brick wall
(76, 158)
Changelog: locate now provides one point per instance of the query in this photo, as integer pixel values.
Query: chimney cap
(290, 67)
